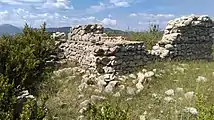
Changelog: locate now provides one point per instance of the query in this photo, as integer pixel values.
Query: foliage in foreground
(23, 66)
(206, 110)
(106, 112)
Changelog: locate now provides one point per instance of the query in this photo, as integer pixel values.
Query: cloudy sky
(119, 14)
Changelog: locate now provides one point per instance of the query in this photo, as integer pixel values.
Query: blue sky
(119, 14)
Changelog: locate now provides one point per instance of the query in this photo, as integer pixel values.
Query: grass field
(176, 88)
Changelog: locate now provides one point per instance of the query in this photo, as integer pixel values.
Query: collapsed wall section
(186, 38)
(94, 50)
(121, 56)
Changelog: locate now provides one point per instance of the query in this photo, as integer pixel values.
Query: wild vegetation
(23, 61)
(191, 84)
(178, 90)
(150, 37)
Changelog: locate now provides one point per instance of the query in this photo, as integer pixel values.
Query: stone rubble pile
(186, 38)
(108, 82)
(116, 87)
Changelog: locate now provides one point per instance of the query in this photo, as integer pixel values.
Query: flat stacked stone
(121, 57)
(81, 42)
(93, 49)
(187, 38)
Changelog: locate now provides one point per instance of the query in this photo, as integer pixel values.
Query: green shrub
(7, 99)
(23, 57)
(106, 112)
(31, 111)
(23, 66)
(206, 110)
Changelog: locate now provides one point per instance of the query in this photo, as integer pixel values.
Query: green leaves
(23, 60)
(7, 101)
(106, 112)
(206, 110)
(25, 54)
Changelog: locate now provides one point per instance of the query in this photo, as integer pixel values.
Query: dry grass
(150, 102)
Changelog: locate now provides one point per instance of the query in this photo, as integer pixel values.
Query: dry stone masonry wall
(81, 43)
(94, 50)
(121, 56)
(186, 38)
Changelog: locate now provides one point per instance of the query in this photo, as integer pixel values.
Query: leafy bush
(7, 99)
(23, 66)
(31, 111)
(23, 58)
(106, 112)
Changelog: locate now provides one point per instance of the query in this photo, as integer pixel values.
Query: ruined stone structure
(94, 50)
(186, 38)
(121, 56)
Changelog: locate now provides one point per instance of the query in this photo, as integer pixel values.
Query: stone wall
(121, 56)
(94, 50)
(185, 38)
(81, 43)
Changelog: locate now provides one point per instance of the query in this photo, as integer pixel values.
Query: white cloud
(84, 19)
(120, 3)
(140, 23)
(22, 16)
(12, 2)
(133, 15)
(61, 4)
(109, 15)
(109, 22)
(56, 18)
(4, 15)
(151, 16)
(97, 8)
(21, 2)
(30, 0)
(141, 20)
(111, 4)
(41, 4)
(166, 15)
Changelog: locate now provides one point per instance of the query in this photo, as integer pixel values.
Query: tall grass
(150, 103)
(150, 37)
